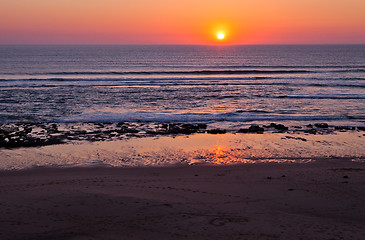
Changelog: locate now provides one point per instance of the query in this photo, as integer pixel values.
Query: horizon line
(170, 44)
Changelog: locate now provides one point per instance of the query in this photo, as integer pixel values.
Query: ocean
(222, 86)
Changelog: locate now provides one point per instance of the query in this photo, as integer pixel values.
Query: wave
(200, 81)
(144, 79)
(284, 66)
(206, 72)
(247, 116)
(208, 68)
(348, 71)
(323, 97)
(194, 72)
(335, 97)
(133, 79)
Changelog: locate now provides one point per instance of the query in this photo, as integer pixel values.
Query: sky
(182, 21)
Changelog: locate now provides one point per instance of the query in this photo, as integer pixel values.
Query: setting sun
(220, 36)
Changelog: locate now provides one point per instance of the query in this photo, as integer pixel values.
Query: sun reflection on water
(195, 149)
(221, 154)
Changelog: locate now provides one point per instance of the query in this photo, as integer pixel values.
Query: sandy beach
(251, 201)
(169, 120)
(283, 185)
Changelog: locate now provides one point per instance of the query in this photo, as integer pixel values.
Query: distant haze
(181, 22)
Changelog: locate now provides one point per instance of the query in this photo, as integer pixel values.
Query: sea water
(217, 85)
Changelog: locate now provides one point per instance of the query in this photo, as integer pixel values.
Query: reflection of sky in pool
(191, 150)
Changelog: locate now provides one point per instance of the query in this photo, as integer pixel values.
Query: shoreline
(254, 201)
(271, 184)
(192, 149)
(30, 134)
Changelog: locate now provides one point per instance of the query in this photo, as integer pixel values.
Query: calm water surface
(219, 85)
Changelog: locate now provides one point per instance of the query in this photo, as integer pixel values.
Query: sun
(220, 36)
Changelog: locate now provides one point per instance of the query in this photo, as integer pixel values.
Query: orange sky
(181, 22)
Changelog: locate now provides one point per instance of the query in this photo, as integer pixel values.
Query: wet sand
(201, 148)
(283, 185)
(319, 200)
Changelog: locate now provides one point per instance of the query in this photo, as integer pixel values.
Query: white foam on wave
(143, 116)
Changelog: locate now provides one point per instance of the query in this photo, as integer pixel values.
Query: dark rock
(81, 132)
(99, 125)
(108, 131)
(255, 128)
(345, 176)
(321, 125)
(276, 126)
(311, 131)
(53, 129)
(296, 138)
(174, 128)
(342, 128)
(252, 129)
(8, 130)
(281, 127)
(269, 126)
(28, 142)
(187, 131)
(27, 130)
(189, 126)
(125, 129)
(216, 131)
(54, 140)
(361, 128)
(120, 124)
(243, 130)
(186, 128)
(309, 125)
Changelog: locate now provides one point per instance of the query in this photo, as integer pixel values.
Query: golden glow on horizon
(224, 32)
(182, 22)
